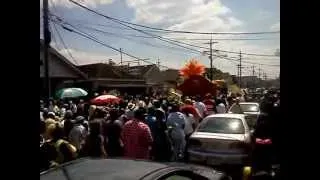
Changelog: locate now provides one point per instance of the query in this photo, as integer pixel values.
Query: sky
(184, 15)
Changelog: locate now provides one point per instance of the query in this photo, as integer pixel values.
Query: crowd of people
(152, 128)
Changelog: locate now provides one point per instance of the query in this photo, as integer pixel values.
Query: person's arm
(148, 135)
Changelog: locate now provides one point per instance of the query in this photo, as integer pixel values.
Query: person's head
(131, 106)
(140, 114)
(198, 98)
(121, 111)
(151, 111)
(100, 113)
(113, 114)
(81, 101)
(79, 120)
(45, 113)
(175, 107)
(159, 114)
(51, 115)
(188, 101)
(156, 103)
(266, 106)
(208, 96)
(91, 110)
(141, 103)
(68, 115)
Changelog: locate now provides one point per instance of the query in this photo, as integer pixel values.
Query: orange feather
(193, 67)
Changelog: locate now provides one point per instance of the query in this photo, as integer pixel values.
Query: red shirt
(137, 139)
(210, 104)
(191, 110)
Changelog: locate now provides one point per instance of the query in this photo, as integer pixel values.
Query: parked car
(221, 139)
(250, 109)
(124, 169)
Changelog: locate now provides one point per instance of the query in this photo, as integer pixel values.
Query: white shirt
(221, 108)
(201, 107)
(77, 135)
(177, 121)
(188, 124)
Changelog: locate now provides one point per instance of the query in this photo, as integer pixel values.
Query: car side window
(236, 109)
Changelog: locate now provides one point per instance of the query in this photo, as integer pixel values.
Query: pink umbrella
(105, 99)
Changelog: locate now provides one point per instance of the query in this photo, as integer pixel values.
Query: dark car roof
(115, 169)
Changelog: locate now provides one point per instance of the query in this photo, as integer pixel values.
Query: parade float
(194, 82)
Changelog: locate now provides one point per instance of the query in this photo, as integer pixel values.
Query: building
(107, 76)
(61, 70)
(170, 78)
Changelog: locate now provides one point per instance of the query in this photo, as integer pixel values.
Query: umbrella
(105, 99)
(71, 93)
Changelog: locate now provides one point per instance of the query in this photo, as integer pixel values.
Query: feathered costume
(194, 81)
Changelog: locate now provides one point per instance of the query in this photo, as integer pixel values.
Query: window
(236, 109)
(249, 107)
(223, 125)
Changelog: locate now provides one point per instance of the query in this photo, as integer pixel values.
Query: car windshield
(223, 125)
(238, 109)
(249, 107)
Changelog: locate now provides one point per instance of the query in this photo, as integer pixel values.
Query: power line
(88, 36)
(155, 36)
(137, 41)
(64, 45)
(226, 39)
(130, 39)
(177, 43)
(200, 51)
(186, 39)
(53, 36)
(169, 41)
(172, 31)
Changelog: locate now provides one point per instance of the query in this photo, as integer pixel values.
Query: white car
(221, 139)
(250, 109)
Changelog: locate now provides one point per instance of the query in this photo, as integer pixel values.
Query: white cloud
(204, 16)
(275, 27)
(85, 57)
(88, 3)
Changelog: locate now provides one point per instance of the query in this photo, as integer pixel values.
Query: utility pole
(47, 40)
(238, 73)
(158, 63)
(265, 76)
(240, 69)
(120, 56)
(211, 58)
(253, 76)
(259, 72)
